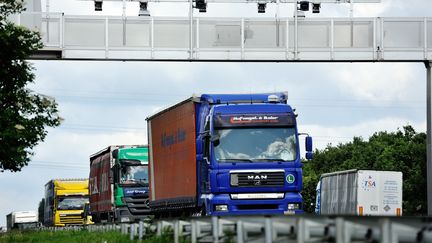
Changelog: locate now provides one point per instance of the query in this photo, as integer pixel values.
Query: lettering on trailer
(391, 192)
(369, 184)
(93, 185)
(171, 139)
(235, 120)
(390, 186)
(104, 183)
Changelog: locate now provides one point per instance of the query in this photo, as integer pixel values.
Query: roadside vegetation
(64, 236)
(80, 236)
(403, 150)
(25, 115)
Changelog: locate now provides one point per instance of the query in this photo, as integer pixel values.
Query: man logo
(257, 177)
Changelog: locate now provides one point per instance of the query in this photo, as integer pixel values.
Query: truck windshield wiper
(237, 160)
(270, 160)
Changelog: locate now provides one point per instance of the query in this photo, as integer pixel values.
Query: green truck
(118, 184)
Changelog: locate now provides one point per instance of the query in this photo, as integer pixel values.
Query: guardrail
(279, 229)
(231, 39)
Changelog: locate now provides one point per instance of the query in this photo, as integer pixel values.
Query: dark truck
(219, 154)
(119, 184)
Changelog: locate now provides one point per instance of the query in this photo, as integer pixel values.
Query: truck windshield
(134, 173)
(72, 203)
(256, 144)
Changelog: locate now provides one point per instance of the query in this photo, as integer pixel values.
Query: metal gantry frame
(429, 133)
(229, 40)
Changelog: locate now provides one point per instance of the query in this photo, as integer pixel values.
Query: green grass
(82, 236)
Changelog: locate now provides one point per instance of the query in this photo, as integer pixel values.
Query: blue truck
(226, 154)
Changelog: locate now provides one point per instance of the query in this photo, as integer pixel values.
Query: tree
(403, 150)
(24, 114)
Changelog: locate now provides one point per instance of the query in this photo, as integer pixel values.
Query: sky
(105, 103)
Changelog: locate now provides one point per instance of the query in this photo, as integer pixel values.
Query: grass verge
(83, 236)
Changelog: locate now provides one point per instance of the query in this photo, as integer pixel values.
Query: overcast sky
(105, 103)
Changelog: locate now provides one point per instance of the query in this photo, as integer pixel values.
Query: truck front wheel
(95, 218)
(199, 212)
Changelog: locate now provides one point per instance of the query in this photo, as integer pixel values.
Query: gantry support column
(429, 135)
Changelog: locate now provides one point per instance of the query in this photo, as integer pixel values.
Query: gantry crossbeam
(231, 39)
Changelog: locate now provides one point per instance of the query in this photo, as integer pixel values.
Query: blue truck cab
(248, 155)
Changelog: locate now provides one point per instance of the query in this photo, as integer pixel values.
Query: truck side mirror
(114, 173)
(115, 153)
(309, 155)
(308, 144)
(86, 210)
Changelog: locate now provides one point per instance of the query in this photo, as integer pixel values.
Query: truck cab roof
(252, 108)
(281, 97)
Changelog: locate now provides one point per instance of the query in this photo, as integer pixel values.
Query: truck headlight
(124, 219)
(293, 206)
(221, 208)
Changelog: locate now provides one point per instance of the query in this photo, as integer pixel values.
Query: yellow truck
(65, 200)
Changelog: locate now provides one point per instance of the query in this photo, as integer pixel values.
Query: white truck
(22, 220)
(360, 192)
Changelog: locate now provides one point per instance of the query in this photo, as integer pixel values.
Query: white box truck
(22, 220)
(360, 192)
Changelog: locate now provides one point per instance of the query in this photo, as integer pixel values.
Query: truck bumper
(254, 206)
(68, 217)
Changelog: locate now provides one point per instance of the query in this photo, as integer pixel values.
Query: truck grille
(71, 219)
(137, 205)
(257, 179)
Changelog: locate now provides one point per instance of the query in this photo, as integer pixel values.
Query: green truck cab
(119, 184)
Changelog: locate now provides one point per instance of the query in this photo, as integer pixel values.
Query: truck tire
(95, 218)
(199, 212)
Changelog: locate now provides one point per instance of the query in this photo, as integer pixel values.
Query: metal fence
(301, 229)
(277, 229)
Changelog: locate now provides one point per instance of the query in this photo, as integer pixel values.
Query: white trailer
(360, 192)
(22, 220)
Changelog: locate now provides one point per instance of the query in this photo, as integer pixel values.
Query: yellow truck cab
(65, 200)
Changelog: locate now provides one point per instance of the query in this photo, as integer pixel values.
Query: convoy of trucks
(360, 192)
(119, 184)
(218, 154)
(213, 154)
(22, 220)
(65, 200)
